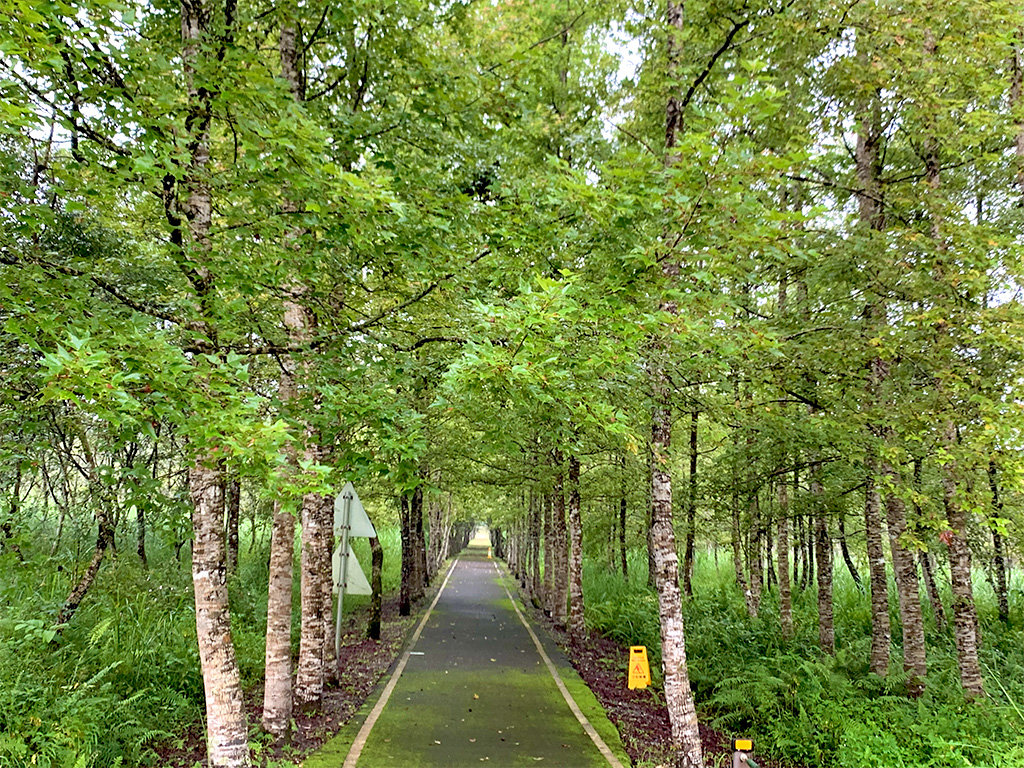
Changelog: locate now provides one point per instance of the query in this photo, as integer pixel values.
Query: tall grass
(124, 677)
(814, 710)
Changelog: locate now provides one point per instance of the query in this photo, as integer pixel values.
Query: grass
(124, 677)
(813, 710)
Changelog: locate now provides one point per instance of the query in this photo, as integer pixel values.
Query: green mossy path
(477, 692)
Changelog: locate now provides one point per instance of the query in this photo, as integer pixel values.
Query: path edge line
(587, 726)
(364, 732)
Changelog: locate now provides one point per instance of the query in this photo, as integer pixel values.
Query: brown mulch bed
(363, 663)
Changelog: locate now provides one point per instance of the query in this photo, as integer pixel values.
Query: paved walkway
(477, 687)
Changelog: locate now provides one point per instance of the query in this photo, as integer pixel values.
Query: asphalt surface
(475, 690)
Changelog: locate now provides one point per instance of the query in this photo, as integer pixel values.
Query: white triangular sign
(358, 521)
(356, 583)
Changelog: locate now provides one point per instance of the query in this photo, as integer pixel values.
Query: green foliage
(124, 677)
(121, 679)
(807, 709)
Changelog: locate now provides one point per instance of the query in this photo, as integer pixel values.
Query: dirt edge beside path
(363, 663)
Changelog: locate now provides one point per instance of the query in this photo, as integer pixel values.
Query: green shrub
(808, 709)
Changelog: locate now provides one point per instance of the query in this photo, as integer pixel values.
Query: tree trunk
(799, 576)
(327, 590)
(737, 547)
(691, 508)
(227, 735)
(435, 515)
(419, 542)
(785, 590)
(140, 509)
(965, 615)
(232, 504)
(102, 503)
(907, 590)
(533, 537)
(998, 549)
(880, 633)
(933, 591)
(678, 696)
(823, 565)
(577, 627)
(376, 588)
(622, 518)
(682, 711)
(315, 568)
(755, 565)
(560, 545)
(277, 691)
(845, 549)
(405, 595)
(549, 555)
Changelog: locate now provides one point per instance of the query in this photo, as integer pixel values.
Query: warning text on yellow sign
(639, 669)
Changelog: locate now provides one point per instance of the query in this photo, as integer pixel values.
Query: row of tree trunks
(691, 509)
(558, 595)
(576, 626)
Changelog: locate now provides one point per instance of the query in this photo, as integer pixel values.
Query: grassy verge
(813, 710)
(123, 680)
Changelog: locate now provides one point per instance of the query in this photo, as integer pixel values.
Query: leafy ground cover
(121, 686)
(806, 709)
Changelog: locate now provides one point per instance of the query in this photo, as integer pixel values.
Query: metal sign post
(350, 521)
(345, 528)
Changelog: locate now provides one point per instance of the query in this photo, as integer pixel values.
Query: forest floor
(363, 661)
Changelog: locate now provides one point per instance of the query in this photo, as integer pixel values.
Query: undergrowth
(808, 709)
(123, 678)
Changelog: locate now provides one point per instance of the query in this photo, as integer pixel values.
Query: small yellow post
(639, 669)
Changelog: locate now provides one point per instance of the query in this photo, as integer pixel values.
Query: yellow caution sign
(639, 669)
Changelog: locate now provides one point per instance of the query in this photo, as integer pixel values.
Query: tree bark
(682, 711)
(559, 545)
(678, 696)
(315, 569)
(965, 615)
(232, 504)
(691, 508)
(405, 595)
(376, 588)
(533, 539)
(577, 628)
(998, 548)
(622, 517)
(785, 590)
(549, 555)
(102, 504)
(880, 632)
(419, 541)
(847, 558)
(755, 565)
(227, 735)
(907, 591)
(277, 690)
(823, 564)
